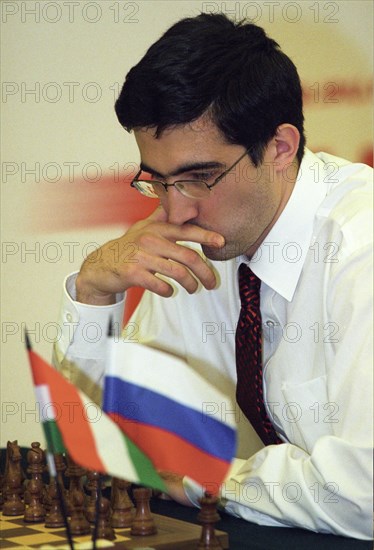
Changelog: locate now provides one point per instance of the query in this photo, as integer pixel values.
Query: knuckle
(146, 239)
(177, 271)
(192, 257)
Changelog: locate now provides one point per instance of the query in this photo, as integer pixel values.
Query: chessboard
(172, 534)
(35, 508)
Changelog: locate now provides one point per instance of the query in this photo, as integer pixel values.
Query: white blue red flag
(166, 409)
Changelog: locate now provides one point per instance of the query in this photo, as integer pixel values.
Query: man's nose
(180, 209)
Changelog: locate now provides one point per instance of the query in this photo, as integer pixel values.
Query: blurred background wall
(64, 155)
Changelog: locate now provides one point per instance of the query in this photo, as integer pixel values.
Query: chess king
(248, 224)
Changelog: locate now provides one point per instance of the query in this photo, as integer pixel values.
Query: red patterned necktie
(248, 344)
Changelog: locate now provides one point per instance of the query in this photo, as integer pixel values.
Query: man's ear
(284, 146)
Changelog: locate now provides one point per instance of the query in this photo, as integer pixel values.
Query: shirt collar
(280, 258)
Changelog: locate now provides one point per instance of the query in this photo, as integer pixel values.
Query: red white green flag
(73, 423)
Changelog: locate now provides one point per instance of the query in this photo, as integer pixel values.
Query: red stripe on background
(106, 202)
(169, 452)
(70, 414)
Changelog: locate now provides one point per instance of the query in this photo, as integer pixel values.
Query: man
(216, 110)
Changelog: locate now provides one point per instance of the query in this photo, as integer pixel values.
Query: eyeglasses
(194, 189)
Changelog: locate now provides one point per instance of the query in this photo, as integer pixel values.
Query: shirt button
(69, 317)
(270, 323)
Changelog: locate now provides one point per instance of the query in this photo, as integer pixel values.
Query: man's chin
(227, 252)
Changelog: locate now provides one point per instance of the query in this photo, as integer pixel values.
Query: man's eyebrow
(188, 167)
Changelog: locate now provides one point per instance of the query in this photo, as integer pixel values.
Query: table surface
(244, 535)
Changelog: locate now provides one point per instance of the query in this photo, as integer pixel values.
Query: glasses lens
(193, 189)
(153, 189)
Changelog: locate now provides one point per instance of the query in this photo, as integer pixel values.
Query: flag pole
(98, 501)
(97, 511)
(110, 331)
(53, 471)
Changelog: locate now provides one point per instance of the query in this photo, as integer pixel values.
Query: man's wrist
(85, 295)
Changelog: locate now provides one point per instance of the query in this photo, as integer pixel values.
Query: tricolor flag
(166, 409)
(73, 423)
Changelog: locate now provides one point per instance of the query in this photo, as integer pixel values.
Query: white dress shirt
(315, 267)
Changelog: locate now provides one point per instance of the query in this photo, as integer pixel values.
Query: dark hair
(209, 64)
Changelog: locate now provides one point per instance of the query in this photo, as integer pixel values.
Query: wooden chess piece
(60, 469)
(103, 529)
(47, 497)
(75, 474)
(12, 485)
(143, 523)
(54, 517)
(93, 486)
(208, 516)
(35, 467)
(122, 506)
(78, 522)
(35, 512)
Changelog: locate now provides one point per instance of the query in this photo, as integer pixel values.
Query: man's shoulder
(347, 209)
(348, 186)
(334, 170)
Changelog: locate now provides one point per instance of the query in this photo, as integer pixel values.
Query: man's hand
(149, 247)
(174, 486)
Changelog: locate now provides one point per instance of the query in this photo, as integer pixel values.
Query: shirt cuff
(84, 327)
(194, 491)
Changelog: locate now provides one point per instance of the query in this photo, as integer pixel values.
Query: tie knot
(249, 286)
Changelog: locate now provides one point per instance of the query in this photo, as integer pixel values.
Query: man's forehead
(200, 128)
(183, 147)
(180, 150)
